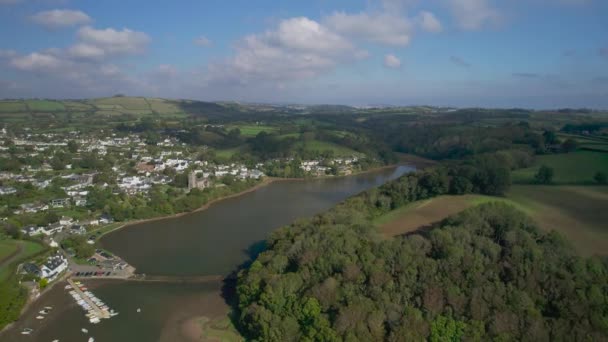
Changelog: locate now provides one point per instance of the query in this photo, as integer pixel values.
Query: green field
(570, 168)
(44, 106)
(253, 130)
(227, 153)
(12, 107)
(317, 145)
(7, 248)
(26, 250)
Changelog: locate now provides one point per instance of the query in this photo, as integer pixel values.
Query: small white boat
(138, 310)
(39, 317)
(84, 330)
(91, 339)
(67, 287)
(94, 320)
(43, 312)
(26, 331)
(48, 308)
(55, 341)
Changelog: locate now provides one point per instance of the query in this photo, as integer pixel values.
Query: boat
(67, 287)
(138, 310)
(84, 330)
(94, 320)
(26, 331)
(48, 308)
(39, 317)
(43, 312)
(91, 339)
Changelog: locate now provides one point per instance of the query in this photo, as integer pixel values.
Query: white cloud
(429, 22)
(383, 28)
(473, 14)
(299, 48)
(37, 62)
(60, 18)
(202, 41)
(391, 61)
(111, 41)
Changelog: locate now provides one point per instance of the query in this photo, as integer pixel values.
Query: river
(214, 241)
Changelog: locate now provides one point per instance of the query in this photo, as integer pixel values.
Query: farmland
(253, 130)
(577, 212)
(571, 168)
(317, 145)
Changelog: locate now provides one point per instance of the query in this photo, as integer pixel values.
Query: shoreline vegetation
(417, 162)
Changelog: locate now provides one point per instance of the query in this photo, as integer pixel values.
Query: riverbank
(265, 182)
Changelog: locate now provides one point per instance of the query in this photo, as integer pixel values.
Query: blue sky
(516, 53)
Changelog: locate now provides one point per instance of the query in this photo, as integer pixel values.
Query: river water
(214, 241)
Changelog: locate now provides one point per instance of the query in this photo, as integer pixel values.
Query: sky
(486, 53)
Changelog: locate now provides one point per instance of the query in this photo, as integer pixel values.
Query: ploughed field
(577, 212)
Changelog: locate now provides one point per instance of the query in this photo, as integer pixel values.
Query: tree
(569, 145)
(72, 146)
(550, 138)
(544, 175)
(42, 283)
(601, 178)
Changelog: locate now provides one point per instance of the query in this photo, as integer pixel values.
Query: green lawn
(28, 250)
(7, 248)
(317, 145)
(45, 106)
(12, 106)
(227, 153)
(570, 168)
(253, 130)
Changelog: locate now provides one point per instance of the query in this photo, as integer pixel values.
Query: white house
(32, 230)
(54, 266)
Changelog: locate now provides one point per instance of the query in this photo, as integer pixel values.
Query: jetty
(94, 306)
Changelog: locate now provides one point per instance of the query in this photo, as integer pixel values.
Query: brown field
(577, 212)
(422, 214)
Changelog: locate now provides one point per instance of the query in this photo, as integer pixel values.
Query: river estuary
(212, 242)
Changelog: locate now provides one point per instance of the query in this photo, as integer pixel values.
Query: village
(70, 188)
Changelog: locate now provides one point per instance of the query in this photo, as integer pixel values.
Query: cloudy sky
(499, 53)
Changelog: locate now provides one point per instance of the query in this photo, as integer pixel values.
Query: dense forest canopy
(485, 274)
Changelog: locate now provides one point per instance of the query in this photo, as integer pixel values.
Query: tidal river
(211, 242)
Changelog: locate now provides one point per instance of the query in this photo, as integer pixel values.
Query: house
(54, 266)
(66, 221)
(31, 208)
(52, 229)
(60, 203)
(78, 230)
(33, 269)
(7, 190)
(91, 222)
(105, 219)
(80, 201)
(32, 230)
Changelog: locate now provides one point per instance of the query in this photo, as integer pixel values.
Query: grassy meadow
(253, 130)
(13, 252)
(569, 168)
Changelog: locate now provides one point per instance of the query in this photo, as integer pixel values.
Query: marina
(96, 309)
